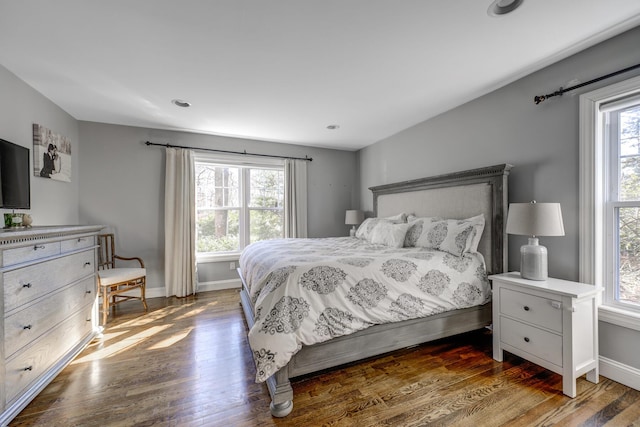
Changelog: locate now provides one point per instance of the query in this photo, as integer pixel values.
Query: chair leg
(105, 305)
(143, 292)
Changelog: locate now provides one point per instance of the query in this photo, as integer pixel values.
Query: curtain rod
(539, 98)
(309, 159)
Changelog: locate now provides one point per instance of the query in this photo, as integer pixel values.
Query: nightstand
(552, 323)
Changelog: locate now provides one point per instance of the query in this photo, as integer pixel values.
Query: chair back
(106, 252)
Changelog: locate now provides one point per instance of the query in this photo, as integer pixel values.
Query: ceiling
(284, 70)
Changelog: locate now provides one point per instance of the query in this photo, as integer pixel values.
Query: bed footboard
(279, 384)
(373, 341)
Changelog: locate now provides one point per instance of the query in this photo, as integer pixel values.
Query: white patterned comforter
(306, 291)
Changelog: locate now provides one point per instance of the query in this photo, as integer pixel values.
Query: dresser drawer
(26, 366)
(531, 309)
(26, 325)
(77, 243)
(540, 343)
(29, 253)
(26, 284)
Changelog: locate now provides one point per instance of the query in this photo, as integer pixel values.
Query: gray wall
(52, 202)
(541, 141)
(122, 187)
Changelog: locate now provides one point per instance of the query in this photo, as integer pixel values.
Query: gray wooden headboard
(456, 195)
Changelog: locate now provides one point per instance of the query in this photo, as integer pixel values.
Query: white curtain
(180, 223)
(295, 198)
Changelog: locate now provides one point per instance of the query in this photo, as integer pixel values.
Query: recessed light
(502, 7)
(333, 127)
(181, 103)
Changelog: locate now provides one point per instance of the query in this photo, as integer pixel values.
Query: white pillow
(389, 234)
(400, 218)
(365, 229)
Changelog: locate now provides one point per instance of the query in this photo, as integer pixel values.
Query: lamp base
(352, 232)
(533, 260)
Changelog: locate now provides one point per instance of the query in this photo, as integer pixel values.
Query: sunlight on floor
(191, 313)
(123, 345)
(107, 336)
(171, 340)
(150, 317)
(115, 340)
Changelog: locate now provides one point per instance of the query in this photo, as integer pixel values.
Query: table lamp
(353, 218)
(534, 219)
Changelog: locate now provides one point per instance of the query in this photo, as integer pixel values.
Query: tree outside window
(628, 209)
(237, 205)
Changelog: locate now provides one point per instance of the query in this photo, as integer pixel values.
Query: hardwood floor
(187, 363)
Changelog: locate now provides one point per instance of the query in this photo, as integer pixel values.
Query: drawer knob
(28, 368)
(26, 285)
(88, 292)
(36, 247)
(26, 327)
(87, 263)
(526, 308)
(80, 239)
(526, 339)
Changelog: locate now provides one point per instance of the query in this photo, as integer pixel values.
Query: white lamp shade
(535, 219)
(353, 217)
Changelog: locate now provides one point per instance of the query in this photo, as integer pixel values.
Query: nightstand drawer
(542, 344)
(531, 309)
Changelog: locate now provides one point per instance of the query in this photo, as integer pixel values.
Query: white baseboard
(619, 372)
(219, 284)
(155, 292)
(160, 292)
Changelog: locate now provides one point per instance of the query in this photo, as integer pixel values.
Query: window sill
(201, 259)
(620, 317)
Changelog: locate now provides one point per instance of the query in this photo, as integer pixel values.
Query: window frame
(597, 243)
(245, 165)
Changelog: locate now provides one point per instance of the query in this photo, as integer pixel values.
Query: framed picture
(51, 154)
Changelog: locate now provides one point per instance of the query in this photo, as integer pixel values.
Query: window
(610, 198)
(237, 204)
(622, 127)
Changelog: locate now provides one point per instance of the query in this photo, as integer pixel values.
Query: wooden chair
(114, 282)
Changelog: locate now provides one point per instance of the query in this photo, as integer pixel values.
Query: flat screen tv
(14, 176)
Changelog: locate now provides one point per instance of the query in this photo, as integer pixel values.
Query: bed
(472, 193)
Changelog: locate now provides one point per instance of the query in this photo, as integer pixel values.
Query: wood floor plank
(187, 362)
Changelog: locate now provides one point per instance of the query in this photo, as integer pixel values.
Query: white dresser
(49, 310)
(552, 323)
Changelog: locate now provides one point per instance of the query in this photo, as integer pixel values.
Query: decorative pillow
(418, 227)
(478, 224)
(365, 229)
(389, 234)
(461, 235)
(449, 235)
